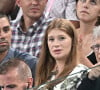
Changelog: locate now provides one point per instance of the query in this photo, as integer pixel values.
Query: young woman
(58, 57)
(88, 12)
(92, 82)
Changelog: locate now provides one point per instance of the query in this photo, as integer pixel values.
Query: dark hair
(4, 15)
(98, 21)
(76, 1)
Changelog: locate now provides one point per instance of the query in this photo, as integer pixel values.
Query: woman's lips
(57, 51)
(84, 12)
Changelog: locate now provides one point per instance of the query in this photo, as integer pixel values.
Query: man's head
(5, 33)
(96, 43)
(7, 6)
(15, 75)
(32, 8)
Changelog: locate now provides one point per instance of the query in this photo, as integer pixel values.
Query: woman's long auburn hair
(46, 61)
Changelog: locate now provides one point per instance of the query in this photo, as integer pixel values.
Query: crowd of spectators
(55, 39)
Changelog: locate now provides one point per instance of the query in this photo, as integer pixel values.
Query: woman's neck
(86, 28)
(60, 66)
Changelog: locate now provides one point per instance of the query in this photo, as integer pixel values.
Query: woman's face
(88, 10)
(59, 44)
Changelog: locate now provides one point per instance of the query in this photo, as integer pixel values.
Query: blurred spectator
(92, 82)
(29, 31)
(7, 6)
(87, 12)
(64, 9)
(15, 75)
(10, 8)
(6, 52)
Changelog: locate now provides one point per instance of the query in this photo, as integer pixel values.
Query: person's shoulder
(48, 20)
(23, 55)
(15, 23)
(81, 67)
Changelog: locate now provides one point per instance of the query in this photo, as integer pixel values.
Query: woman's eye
(50, 39)
(61, 38)
(93, 2)
(82, 0)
